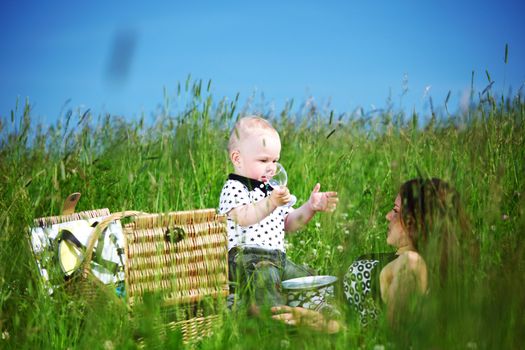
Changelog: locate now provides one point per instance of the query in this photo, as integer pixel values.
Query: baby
(258, 216)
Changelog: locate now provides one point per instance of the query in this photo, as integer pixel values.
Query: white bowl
(309, 282)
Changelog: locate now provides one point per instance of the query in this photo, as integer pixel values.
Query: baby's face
(258, 154)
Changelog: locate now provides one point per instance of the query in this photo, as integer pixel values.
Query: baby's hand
(280, 196)
(323, 201)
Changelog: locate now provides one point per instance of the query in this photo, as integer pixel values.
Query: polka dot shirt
(361, 285)
(267, 233)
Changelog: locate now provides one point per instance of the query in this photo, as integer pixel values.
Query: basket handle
(102, 225)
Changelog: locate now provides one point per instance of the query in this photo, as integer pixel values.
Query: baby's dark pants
(256, 274)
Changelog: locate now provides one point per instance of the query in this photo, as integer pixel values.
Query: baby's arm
(319, 201)
(252, 213)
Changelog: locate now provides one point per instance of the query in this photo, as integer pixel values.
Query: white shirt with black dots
(267, 233)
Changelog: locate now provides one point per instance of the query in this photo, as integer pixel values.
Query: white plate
(309, 282)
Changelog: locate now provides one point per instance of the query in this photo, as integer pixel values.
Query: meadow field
(178, 161)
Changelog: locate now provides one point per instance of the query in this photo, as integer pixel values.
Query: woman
(424, 227)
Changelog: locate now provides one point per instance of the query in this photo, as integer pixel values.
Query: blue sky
(349, 53)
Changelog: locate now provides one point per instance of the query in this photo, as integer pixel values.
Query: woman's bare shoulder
(411, 261)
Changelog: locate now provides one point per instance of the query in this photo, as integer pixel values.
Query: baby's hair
(245, 127)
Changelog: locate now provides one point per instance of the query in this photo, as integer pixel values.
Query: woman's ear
(235, 157)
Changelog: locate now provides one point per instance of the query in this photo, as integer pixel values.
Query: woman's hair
(432, 214)
(245, 127)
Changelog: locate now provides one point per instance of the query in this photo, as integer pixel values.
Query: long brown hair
(434, 218)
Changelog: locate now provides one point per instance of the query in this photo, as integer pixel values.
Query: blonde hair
(245, 127)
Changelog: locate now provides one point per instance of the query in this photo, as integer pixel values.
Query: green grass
(179, 162)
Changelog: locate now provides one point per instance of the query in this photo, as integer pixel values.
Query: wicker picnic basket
(183, 257)
(180, 256)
